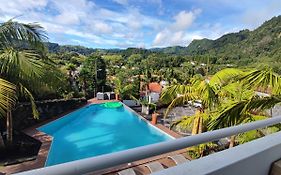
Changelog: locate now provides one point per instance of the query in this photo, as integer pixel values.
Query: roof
(155, 87)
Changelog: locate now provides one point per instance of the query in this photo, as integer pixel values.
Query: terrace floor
(47, 140)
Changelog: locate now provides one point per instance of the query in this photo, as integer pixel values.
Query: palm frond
(180, 100)
(207, 94)
(236, 112)
(184, 122)
(27, 67)
(8, 96)
(229, 115)
(236, 91)
(262, 103)
(263, 78)
(12, 33)
(248, 136)
(226, 76)
(172, 92)
(26, 93)
(24, 64)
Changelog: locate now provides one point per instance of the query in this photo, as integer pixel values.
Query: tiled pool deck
(47, 140)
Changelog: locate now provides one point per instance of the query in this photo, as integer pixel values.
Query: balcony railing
(88, 165)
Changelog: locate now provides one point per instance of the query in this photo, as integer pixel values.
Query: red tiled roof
(155, 87)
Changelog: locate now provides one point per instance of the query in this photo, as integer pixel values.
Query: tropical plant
(71, 68)
(202, 150)
(197, 123)
(24, 64)
(227, 89)
(7, 99)
(121, 89)
(93, 75)
(199, 89)
(146, 79)
(242, 104)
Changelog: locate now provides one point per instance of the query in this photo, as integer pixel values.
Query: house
(154, 91)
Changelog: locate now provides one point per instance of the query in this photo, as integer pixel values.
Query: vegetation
(206, 70)
(24, 68)
(245, 48)
(228, 99)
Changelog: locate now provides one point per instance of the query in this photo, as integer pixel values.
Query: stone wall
(23, 117)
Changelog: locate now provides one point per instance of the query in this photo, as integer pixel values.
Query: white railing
(88, 165)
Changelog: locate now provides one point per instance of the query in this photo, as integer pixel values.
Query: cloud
(184, 19)
(83, 20)
(253, 19)
(175, 33)
(17, 7)
(68, 18)
(159, 3)
(102, 27)
(149, 22)
(122, 2)
(72, 11)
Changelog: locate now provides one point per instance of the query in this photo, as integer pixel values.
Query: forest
(82, 66)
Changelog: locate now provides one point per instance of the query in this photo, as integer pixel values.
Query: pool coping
(148, 122)
(46, 141)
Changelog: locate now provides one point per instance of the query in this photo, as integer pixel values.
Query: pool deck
(47, 140)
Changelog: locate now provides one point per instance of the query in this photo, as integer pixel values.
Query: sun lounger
(178, 159)
(154, 166)
(129, 171)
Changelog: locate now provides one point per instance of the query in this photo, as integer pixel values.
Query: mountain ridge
(263, 41)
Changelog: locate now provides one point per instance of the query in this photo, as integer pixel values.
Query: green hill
(262, 45)
(244, 47)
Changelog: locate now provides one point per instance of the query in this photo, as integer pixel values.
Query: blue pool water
(95, 130)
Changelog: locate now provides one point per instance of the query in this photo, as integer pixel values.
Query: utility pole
(96, 68)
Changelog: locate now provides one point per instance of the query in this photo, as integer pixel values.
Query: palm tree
(71, 68)
(146, 79)
(199, 89)
(243, 104)
(7, 99)
(117, 88)
(24, 64)
(210, 92)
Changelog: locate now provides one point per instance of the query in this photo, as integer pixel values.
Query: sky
(139, 23)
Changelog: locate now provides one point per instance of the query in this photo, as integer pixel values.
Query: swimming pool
(95, 130)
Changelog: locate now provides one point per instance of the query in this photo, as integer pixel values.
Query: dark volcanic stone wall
(23, 118)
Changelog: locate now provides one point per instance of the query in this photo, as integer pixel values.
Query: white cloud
(184, 19)
(122, 2)
(253, 19)
(18, 7)
(75, 41)
(68, 18)
(82, 19)
(159, 3)
(72, 11)
(102, 27)
(175, 33)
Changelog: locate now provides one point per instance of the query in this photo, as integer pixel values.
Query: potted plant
(145, 107)
(154, 113)
(118, 88)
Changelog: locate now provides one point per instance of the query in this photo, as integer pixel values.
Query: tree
(93, 74)
(199, 89)
(7, 99)
(242, 104)
(72, 75)
(23, 63)
(209, 92)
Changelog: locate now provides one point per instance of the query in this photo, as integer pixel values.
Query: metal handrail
(88, 165)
